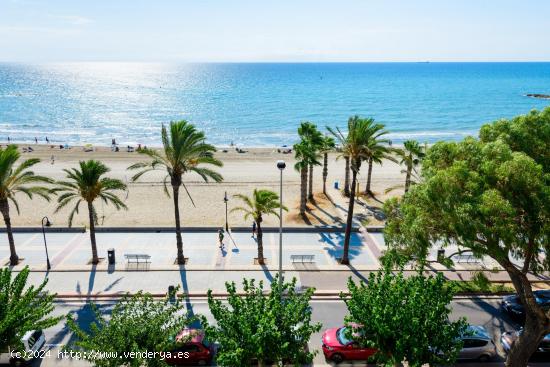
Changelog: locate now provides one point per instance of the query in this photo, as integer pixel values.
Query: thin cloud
(75, 20)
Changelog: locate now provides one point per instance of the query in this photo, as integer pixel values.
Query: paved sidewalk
(71, 251)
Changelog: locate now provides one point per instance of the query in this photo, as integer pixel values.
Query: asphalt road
(330, 313)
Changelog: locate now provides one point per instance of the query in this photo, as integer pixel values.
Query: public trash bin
(336, 185)
(111, 256)
(172, 293)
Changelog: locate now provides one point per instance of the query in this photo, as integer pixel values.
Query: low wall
(185, 229)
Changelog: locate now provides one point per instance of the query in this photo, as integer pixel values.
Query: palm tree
(376, 150)
(327, 145)
(354, 147)
(346, 177)
(262, 203)
(14, 180)
(308, 133)
(411, 155)
(184, 150)
(86, 185)
(305, 157)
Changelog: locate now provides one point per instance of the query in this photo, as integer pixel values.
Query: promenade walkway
(72, 251)
(208, 267)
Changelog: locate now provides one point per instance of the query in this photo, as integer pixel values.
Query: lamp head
(281, 165)
(225, 197)
(48, 223)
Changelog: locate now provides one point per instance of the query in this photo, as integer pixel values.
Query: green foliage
(480, 196)
(529, 134)
(308, 131)
(22, 309)
(184, 150)
(328, 144)
(410, 156)
(256, 326)
(262, 202)
(15, 179)
(307, 150)
(405, 319)
(477, 287)
(490, 196)
(138, 324)
(354, 144)
(87, 184)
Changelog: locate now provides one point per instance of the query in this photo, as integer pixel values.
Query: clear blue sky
(274, 30)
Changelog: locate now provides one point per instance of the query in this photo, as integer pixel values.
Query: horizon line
(275, 61)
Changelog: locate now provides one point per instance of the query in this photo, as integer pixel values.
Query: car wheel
(337, 358)
(484, 358)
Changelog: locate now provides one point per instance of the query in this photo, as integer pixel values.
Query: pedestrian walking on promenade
(220, 237)
(253, 229)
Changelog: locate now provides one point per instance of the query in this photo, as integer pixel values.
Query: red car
(337, 347)
(197, 351)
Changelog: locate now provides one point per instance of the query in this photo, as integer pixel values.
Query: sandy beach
(148, 205)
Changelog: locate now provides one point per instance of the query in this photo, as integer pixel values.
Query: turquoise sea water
(260, 104)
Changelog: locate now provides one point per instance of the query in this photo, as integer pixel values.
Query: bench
(137, 258)
(469, 259)
(302, 258)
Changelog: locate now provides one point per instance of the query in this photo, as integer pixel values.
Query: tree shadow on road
(186, 298)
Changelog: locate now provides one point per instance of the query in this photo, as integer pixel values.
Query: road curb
(202, 229)
(317, 295)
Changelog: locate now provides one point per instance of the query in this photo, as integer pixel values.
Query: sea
(259, 104)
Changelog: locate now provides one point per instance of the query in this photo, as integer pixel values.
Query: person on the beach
(220, 237)
(47, 140)
(35, 140)
(8, 139)
(113, 141)
(253, 229)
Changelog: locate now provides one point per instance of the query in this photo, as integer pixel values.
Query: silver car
(478, 344)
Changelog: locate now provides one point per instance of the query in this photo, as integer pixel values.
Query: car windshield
(542, 296)
(341, 336)
(476, 331)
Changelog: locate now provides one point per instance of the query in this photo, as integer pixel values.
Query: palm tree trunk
(5, 209)
(346, 182)
(260, 238)
(345, 256)
(369, 177)
(325, 172)
(303, 190)
(310, 187)
(179, 241)
(95, 258)
(408, 178)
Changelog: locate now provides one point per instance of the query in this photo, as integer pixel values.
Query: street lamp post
(225, 200)
(46, 224)
(281, 166)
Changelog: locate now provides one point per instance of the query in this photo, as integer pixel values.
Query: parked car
(337, 347)
(508, 339)
(477, 344)
(33, 341)
(196, 351)
(512, 304)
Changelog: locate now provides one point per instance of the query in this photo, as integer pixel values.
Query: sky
(274, 30)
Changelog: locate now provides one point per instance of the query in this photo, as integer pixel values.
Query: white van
(33, 341)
